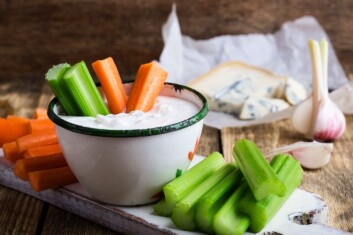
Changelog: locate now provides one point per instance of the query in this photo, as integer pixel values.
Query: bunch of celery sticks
(216, 197)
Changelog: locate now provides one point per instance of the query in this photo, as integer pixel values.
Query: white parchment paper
(284, 52)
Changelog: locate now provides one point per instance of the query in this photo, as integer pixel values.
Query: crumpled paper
(284, 52)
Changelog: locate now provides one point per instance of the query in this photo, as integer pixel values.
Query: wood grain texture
(20, 213)
(209, 141)
(334, 182)
(60, 222)
(37, 34)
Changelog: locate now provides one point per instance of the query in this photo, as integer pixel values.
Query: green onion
(183, 214)
(178, 188)
(54, 77)
(82, 87)
(209, 205)
(290, 173)
(228, 220)
(258, 173)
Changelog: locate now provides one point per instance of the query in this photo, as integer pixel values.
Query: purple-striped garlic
(318, 117)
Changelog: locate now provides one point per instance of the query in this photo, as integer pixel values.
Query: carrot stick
(24, 166)
(149, 81)
(40, 151)
(40, 113)
(42, 138)
(17, 118)
(53, 178)
(108, 75)
(13, 128)
(38, 125)
(11, 153)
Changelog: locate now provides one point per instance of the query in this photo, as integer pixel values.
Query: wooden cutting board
(303, 213)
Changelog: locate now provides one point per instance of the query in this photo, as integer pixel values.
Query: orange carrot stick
(149, 81)
(108, 75)
(11, 153)
(53, 178)
(41, 151)
(36, 139)
(38, 125)
(13, 128)
(24, 166)
(40, 113)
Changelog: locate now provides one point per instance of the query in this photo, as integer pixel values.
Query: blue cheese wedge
(295, 92)
(229, 85)
(257, 107)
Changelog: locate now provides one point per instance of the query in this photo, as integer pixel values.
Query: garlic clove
(311, 155)
(301, 117)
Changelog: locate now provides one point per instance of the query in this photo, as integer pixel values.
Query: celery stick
(54, 77)
(258, 173)
(178, 188)
(82, 87)
(228, 220)
(260, 212)
(183, 214)
(207, 206)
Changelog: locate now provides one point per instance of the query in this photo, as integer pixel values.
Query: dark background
(36, 34)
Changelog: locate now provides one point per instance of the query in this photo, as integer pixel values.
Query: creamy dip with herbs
(167, 110)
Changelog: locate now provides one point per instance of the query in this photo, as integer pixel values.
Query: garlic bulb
(318, 117)
(311, 155)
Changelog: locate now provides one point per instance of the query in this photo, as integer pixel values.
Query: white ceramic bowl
(129, 167)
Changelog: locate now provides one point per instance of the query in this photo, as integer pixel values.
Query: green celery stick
(256, 170)
(260, 212)
(178, 188)
(82, 87)
(228, 220)
(207, 206)
(183, 214)
(54, 77)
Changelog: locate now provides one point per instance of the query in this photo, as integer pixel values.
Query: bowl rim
(133, 132)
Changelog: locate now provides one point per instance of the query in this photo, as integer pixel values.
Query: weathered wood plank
(59, 222)
(209, 141)
(333, 182)
(20, 213)
(37, 34)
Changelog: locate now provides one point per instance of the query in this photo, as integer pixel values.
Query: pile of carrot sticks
(32, 146)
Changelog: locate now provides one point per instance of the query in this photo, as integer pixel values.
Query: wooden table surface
(22, 214)
(36, 34)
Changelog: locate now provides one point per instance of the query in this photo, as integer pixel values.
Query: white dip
(167, 110)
